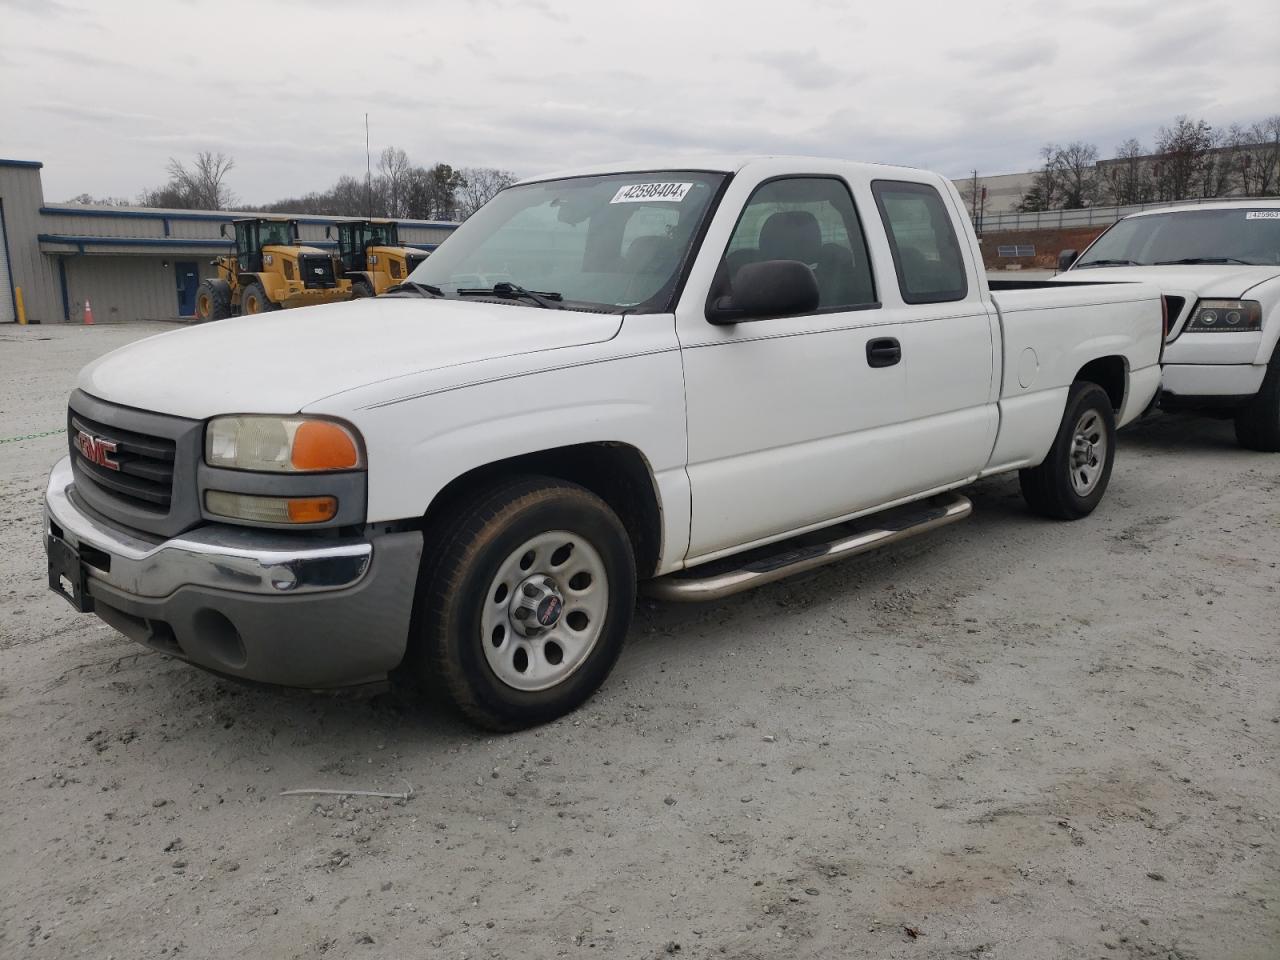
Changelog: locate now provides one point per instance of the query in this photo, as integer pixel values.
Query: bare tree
(393, 175)
(480, 185)
(203, 184)
(1260, 159)
(1075, 170)
(1180, 157)
(1127, 178)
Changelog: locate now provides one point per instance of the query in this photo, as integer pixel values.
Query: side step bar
(788, 558)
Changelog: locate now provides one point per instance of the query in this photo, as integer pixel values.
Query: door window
(926, 253)
(810, 219)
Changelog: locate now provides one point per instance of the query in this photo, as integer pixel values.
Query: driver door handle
(883, 352)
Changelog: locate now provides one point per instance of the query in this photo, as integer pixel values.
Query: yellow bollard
(22, 307)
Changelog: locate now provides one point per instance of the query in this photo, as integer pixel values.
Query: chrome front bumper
(220, 556)
(262, 605)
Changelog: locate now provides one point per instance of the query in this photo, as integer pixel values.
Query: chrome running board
(790, 557)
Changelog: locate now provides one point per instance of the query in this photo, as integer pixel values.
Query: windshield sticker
(1257, 214)
(641, 192)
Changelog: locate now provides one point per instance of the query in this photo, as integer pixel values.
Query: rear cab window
(926, 251)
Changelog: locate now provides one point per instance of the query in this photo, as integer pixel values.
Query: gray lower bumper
(264, 606)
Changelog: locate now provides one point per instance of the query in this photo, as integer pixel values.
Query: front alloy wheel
(545, 610)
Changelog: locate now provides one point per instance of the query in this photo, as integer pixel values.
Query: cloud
(803, 69)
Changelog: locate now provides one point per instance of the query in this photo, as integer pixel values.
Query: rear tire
(254, 300)
(524, 602)
(213, 301)
(360, 289)
(1074, 476)
(1258, 421)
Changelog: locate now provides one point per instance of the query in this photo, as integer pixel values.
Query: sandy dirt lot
(1010, 740)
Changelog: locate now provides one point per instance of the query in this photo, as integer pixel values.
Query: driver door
(792, 420)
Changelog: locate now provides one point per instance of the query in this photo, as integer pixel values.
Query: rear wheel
(1070, 482)
(525, 602)
(1258, 421)
(360, 289)
(213, 300)
(254, 300)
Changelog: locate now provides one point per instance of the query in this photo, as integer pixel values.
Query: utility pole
(368, 171)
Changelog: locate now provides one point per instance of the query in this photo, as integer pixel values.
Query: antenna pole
(368, 171)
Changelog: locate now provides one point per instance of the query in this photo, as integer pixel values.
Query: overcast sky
(104, 93)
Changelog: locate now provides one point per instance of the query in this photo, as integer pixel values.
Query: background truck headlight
(281, 444)
(1226, 316)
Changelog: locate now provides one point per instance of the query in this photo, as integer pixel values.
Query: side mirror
(1065, 259)
(770, 288)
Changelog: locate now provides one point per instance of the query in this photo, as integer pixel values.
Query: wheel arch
(618, 473)
(1111, 373)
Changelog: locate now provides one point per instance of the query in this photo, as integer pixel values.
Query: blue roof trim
(82, 242)
(29, 164)
(216, 215)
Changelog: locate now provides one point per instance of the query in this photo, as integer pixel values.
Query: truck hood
(281, 362)
(1205, 280)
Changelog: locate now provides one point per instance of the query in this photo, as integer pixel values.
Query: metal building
(131, 263)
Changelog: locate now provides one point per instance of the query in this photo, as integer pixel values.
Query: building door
(8, 312)
(188, 280)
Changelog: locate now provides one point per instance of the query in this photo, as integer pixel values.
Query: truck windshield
(1191, 236)
(614, 242)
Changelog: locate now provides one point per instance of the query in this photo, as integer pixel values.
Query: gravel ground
(1009, 739)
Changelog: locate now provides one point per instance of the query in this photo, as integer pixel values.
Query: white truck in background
(699, 377)
(1220, 261)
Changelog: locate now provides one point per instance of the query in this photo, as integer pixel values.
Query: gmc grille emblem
(96, 450)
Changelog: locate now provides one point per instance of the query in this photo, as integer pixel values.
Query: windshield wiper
(1109, 263)
(421, 289)
(1164, 263)
(543, 298)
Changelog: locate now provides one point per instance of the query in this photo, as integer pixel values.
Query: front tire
(525, 602)
(213, 300)
(1258, 421)
(360, 289)
(1070, 482)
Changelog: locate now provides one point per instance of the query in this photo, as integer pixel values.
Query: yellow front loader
(270, 270)
(372, 257)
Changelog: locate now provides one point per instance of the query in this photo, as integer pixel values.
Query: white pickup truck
(1220, 262)
(699, 376)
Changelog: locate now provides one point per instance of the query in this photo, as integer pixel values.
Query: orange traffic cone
(88, 313)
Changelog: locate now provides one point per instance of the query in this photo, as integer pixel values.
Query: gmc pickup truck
(1220, 263)
(692, 377)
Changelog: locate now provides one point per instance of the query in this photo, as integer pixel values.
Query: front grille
(145, 477)
(154, 489)
(317, 271)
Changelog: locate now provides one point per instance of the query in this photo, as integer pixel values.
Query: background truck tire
(360, 289)
(213, 300)
(1258, 421)
(254, 300)
(1074, 476)
(525, 599)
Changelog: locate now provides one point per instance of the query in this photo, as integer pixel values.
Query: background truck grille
(155, 489)
(317, 270)
(145, 476)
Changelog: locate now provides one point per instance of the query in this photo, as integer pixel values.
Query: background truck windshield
(615, 242)
(1213, 236)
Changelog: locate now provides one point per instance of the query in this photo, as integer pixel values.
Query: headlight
(1225, 316)
(281, 445)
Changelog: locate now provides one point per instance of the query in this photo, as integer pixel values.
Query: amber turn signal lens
(239, 506)
(312, 509)
(319, 445)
